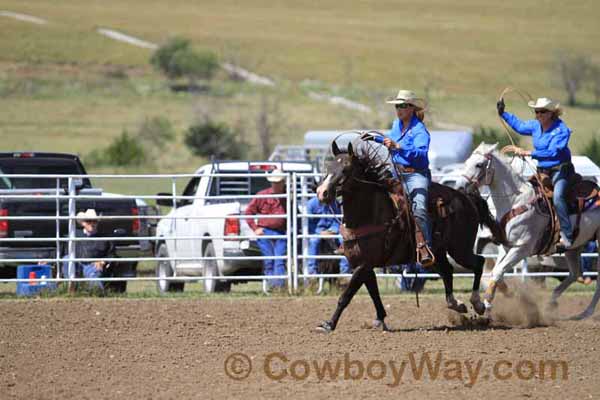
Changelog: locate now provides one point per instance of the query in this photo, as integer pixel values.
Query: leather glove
(500, 107)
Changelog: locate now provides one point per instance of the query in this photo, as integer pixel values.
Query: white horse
(509, 190)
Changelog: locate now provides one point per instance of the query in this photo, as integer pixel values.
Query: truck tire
(164, 270)
(211, 269)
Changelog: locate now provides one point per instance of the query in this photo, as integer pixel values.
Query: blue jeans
(87, 270)
(588, 263)
(313, 250)
(411, 284)
(560, 180)
(273, 247)
(416, 184)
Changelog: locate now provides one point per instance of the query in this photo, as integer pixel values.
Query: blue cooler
(34, 272)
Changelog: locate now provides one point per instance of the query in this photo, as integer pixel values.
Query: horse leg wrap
(490, 292)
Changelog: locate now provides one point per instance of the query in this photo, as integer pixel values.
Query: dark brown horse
(377, 232)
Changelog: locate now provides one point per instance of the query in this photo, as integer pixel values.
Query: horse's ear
(493, 147)
(335, 149)
(350, 150)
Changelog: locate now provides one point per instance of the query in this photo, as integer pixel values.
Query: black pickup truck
(37, 202)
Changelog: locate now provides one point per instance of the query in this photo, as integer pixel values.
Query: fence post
(305, 224)
(72, 233)
(174, 191)
(290, 234)
(295, 230)
(57, 202)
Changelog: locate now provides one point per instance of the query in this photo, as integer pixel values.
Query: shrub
(161, 58)
(194, 64)
(572, 71)
(492, 135)
(156, 131)
(211, 139)
(124, 150)
(178, 59)
(592, 150)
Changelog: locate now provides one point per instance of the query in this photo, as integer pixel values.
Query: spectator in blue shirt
(551, 149)
(408, 142)
(325, 227)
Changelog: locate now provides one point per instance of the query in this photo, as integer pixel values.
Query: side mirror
(164, 202)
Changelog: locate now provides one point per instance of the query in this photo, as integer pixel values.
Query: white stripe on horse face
(323, 186)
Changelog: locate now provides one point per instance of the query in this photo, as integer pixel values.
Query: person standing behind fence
(89, 249)
(325, 226)
(271, 247)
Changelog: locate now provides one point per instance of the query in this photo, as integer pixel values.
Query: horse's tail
(486, 218)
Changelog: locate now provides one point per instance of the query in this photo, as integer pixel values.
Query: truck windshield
(38, 166)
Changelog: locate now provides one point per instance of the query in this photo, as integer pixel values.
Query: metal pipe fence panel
(297, 234)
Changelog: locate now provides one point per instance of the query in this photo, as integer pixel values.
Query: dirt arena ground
(180, 348)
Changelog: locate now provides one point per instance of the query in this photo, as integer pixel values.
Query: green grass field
(64, 87)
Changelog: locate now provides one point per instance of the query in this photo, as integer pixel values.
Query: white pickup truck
(207, 192)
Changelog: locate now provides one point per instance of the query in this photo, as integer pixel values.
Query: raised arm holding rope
(550, 141)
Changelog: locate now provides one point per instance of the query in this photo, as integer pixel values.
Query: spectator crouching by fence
(89, 249)
(271, 247)
(325, 227)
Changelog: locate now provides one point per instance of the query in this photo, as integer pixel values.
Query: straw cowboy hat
(88, 215)
(409, 97)
(276, 179)
(544, 103)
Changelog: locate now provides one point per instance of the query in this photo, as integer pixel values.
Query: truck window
(237, 185)
(190, 190)
(39, 166)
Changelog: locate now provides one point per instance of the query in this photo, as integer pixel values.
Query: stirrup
(425, 256)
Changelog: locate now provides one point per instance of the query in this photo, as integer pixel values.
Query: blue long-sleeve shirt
(314, 207)
(414, 144)
(551, 147)
(329, 224)
(317, 225)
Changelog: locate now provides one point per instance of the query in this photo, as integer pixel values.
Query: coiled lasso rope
(526, 97)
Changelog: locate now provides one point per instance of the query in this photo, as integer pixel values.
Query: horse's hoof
(458, 307)
(479, 307)
(325, 327)
(580, 317)
(379, 324)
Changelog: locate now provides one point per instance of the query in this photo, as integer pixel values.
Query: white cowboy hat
(88, 215)
(407, 96)
(276, 179)
(544, 103)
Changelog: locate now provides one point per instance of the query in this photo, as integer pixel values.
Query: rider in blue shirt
(551, 149)
(408, 141)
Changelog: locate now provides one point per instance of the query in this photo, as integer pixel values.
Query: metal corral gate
(297, 192)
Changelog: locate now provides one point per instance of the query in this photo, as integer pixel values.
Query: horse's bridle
(485, 176)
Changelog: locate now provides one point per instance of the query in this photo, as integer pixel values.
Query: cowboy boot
(424, 255)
